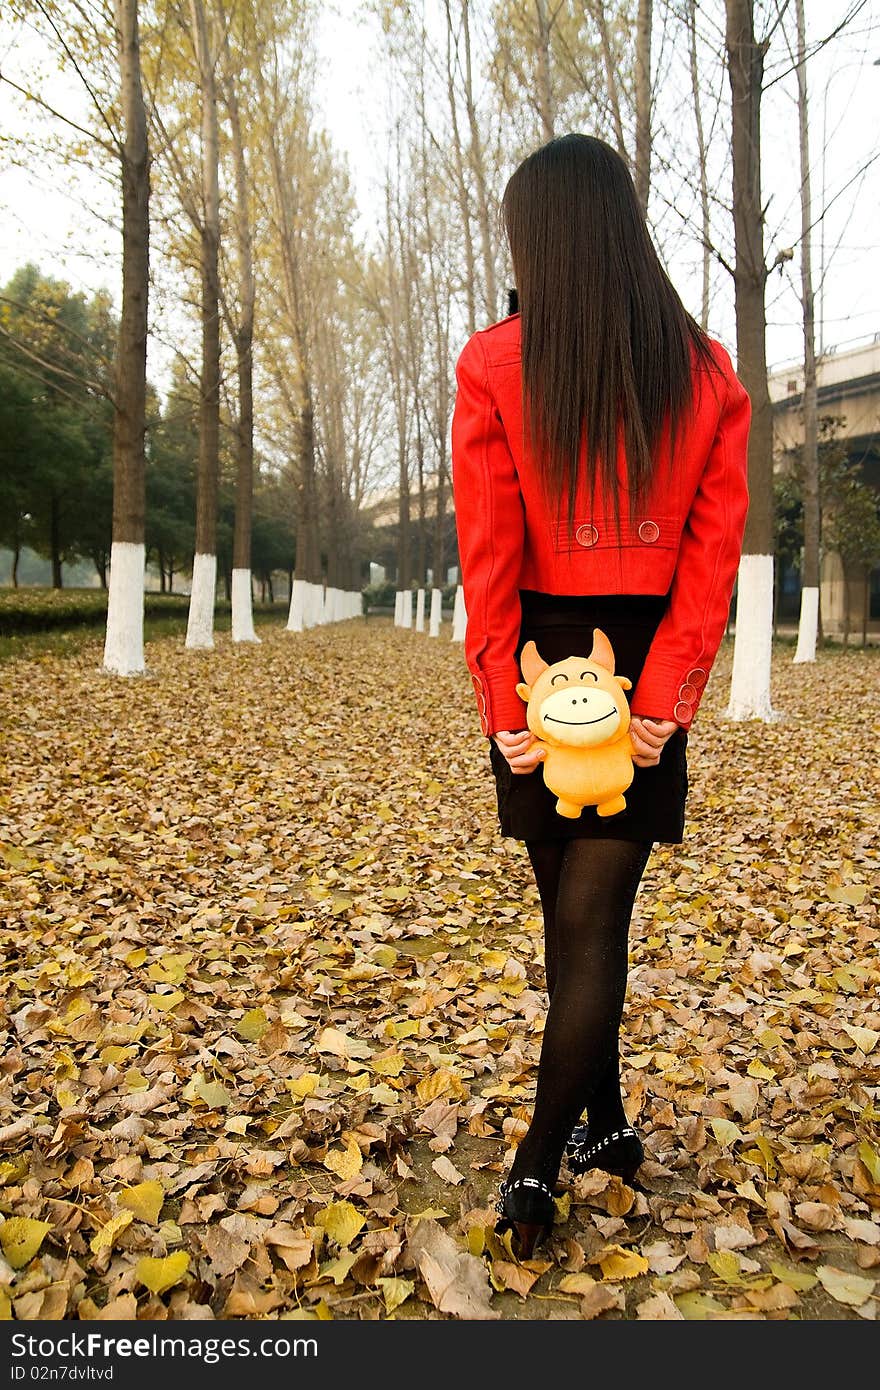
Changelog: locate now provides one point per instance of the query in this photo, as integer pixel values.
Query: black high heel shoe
(526, 1207)
(621, 1152)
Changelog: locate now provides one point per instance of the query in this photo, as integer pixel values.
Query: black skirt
(562, 626)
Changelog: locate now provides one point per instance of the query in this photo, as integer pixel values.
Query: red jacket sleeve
(490, 524)
(687, 640)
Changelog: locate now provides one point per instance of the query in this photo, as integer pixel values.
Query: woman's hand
(520, 748)
(648, 737)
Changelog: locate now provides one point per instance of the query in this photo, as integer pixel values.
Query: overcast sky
(52, 221)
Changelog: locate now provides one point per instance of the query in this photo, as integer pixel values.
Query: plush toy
(577, 710)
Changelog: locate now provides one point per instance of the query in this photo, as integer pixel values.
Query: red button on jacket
(508, 540)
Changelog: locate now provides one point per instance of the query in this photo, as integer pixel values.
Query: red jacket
(689, 539)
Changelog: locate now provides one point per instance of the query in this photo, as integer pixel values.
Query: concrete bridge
(848, 388)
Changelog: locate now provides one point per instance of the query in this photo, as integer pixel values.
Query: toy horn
(602, 653)
(531, 663)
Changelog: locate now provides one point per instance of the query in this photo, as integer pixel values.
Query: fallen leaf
(21, 1238)
(457, 1282)
(104, 1238)
(157, 1275)
(447, 1171)
(145, 1200)
(342, 1221)
(852, 1289)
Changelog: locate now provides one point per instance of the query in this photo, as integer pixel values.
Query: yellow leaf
(694, 1305)
(388, 1064)
(144, 1201)
(852, 893)
(577, 1283)
(406, 1028)
(5, 1306)
(864, 1038)
(384, 1095)
(113, 1056)
(341, 1045)
(159, 1275)
(725, 1131)
(725, 1265)
(252, 1026)
(166, 1002)
(870, 1158)
(853, 1289)
(386, 956)
(103, 1239)
(342, 1221)
(338, 1269)
(21, 1238)
(345, 1163)
(797, 1279)
(441, 1083)
(304, 1085)
(171, 969)
(760, 1071)
(136, 958)
(395, 1292)
(210, 1093)
(617, 1263)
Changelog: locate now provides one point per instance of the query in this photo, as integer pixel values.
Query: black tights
(587, 889)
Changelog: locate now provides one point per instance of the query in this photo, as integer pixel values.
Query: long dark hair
(606, 341)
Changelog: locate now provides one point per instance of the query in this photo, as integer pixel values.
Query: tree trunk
(242, 589)
(16, 556)
(124, 637)
(490, 291)
(807, 627)
(597, 9)
(643, 102)
(705, 217)
(55, 540)
(461, 189)
(200, 625)
(750, 685)
(546, 102)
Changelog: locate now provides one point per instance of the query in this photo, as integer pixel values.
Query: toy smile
(549, 718)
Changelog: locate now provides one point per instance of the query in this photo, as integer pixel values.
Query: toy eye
(591, 674)
(560, 676)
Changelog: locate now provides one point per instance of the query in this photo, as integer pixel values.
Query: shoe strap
(534, 1183)
(589, 1150)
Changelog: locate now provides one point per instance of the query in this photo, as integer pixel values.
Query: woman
(599, 443)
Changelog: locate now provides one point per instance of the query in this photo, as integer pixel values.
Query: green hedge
(383, 595)
(43, 610)
(30, 610)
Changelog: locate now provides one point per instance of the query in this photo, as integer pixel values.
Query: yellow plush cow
(578, 711)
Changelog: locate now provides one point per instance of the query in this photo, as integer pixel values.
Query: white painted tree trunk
(808, 627)
(752, 648)
(242, 607)
(459, 616)
(434, 620)
(406, 611)
(296, 611)
(200, 623)
(124, 638)
(318, 615)
(420, 610)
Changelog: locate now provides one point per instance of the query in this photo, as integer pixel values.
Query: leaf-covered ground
(272, 996)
